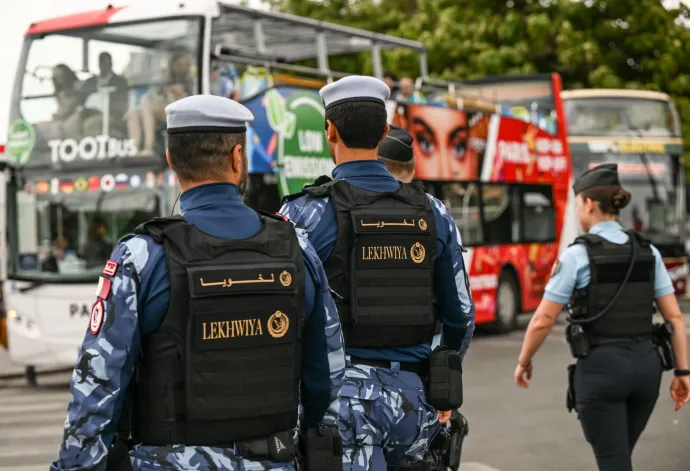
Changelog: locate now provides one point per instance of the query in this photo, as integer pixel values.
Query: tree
(591, 43)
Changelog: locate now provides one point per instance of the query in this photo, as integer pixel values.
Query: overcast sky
(16, 16)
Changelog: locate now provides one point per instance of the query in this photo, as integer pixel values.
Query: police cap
(397, 145)
(601, 175)
(355, 88)
(207, 113)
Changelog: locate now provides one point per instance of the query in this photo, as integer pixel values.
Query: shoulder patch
(103, 289)
(285, 218)
(554, 269)
(110, 268)
(96, 320)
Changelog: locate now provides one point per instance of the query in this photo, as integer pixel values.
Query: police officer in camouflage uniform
(206, 323)
(390, 251)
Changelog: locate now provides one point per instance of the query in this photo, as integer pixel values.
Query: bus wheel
(507, 304)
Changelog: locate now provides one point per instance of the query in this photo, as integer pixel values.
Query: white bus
(86, 138)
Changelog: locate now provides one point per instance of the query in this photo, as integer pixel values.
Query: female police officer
(612, 279)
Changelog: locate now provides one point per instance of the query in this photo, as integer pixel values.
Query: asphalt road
(510, 429)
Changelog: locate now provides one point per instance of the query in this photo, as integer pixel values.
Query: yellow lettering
(229, 329)
(384, 252)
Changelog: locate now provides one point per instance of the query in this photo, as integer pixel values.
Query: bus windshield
(65, 229)
(621, 116)
(100, 93)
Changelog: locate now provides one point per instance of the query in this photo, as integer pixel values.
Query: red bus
(498, 158)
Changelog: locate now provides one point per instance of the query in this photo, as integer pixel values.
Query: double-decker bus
(640, 131)
(87, 137)
(494, 150)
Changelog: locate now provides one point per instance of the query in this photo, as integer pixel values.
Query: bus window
(499, 215)
(462, 201)
(538, 215)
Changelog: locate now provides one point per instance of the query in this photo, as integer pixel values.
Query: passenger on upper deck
(151, 113)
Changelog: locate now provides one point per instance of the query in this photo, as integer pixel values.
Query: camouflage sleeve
(451, 284)
(334, 337)
(104, 367)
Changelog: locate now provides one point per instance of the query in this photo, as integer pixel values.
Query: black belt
(421, 368)
(596, 341)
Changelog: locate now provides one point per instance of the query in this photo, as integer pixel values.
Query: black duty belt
(597, 341)
(421, 368)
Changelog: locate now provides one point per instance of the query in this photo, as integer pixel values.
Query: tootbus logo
(89, 148)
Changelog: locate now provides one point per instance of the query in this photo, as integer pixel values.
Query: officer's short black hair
(360, 124)
(199, 156)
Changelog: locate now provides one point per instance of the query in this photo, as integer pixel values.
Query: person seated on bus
(57, 254)
(395, 151)
(151, 113)
(225, 81)
(98, 247)
(108, 79)
(66, 120)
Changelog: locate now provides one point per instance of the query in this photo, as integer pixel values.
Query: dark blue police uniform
(134, 300)
(377, 430)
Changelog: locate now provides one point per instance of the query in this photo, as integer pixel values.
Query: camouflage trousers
(385, 419)
(198, 458)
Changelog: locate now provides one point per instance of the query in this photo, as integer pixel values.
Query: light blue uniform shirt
(573, 272)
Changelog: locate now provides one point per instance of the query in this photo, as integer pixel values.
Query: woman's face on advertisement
(440, 143)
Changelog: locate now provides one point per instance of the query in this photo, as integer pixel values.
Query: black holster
(571, 400)
(578, 340)
(118, 456)
(445, 450)
(662, 341)
(445, 379)
(321, 448)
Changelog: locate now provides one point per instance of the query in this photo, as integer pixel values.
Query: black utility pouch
(571, 400)
(578, 340)
(278, 447)
(662, 341)
(445, 379)
(322, 449)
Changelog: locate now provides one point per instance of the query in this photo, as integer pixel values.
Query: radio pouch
(445, 379)
(322, 449)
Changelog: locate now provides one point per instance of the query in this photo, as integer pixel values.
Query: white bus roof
(613, 93)
(249, 33)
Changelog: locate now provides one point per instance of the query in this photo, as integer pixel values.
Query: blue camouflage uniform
(572, 269)
(137, 305)
(384, 416)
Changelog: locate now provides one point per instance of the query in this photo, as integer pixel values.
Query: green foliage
(591, 43)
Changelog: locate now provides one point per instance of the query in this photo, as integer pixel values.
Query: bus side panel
(288, 136)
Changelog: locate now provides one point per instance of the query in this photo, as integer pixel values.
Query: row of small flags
(108, 182)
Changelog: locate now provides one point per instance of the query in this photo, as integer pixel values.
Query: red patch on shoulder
(285, 218)
(110, 268)
(103, 289)
(97, 316)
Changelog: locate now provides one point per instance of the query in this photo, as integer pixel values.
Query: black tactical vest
(224, 364)
(631, 315)
(382, 264)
